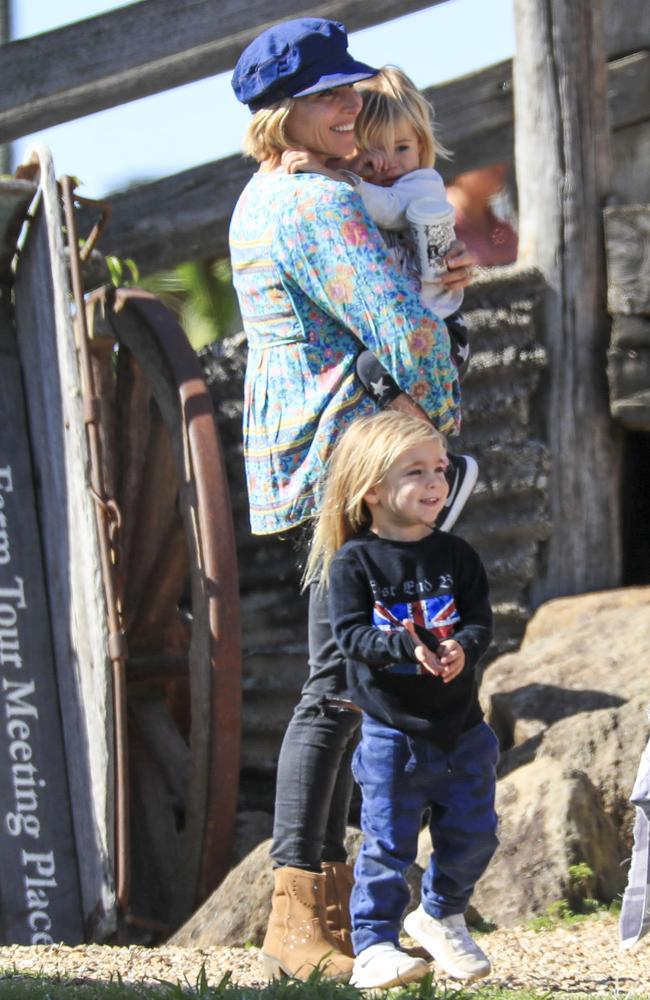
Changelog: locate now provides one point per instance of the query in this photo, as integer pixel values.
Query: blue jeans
(314, 778)
(400, 776)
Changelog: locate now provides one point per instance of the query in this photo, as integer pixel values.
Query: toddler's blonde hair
(390, 98)
(360, 460)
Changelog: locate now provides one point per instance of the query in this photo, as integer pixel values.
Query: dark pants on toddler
(314, 779)
(400, 776)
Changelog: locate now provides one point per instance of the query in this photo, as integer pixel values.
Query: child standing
(392, 168)
(410, 611)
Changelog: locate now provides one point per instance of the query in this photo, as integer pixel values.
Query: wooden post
(563, 176)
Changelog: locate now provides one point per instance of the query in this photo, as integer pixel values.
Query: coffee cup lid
(429, 211)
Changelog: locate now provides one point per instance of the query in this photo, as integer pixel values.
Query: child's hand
(460, 267)
(300, 161)
(370, 165)
(423, 654)
(452, 659)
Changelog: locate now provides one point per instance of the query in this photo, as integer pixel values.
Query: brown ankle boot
(339, 880)
(297, 939)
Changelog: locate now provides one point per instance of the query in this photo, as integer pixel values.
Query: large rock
(604, 744)
(237, 912)
(577, 691)
(564, 614)
(550, 819)
(579, 654)
(574, 697)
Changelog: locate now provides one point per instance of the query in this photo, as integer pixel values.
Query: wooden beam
(626, 26)
(627, 234)
(182, 217)
(185, 216)
(145, 48)
(474, 118)
(475, 112)
(563, 177)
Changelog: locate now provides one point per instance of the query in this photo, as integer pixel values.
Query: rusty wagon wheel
(162, 463)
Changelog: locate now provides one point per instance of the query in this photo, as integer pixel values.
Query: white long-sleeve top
(387, 207)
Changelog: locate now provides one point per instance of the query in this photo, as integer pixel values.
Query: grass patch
(18, 986)
(579, 904)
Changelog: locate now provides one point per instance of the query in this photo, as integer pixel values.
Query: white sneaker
(449, 942)
(385, 965)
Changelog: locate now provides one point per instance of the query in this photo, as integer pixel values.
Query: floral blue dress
(314, 278)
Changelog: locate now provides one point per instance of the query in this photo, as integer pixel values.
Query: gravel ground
(572, 958)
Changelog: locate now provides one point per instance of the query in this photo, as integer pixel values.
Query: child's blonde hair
(389, 98)
(362, 457)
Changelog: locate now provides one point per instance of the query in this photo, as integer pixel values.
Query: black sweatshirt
(440, 584)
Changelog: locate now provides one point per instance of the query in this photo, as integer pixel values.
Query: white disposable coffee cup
(432, 225)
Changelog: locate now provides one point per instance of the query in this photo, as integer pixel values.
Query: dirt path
(578, 958)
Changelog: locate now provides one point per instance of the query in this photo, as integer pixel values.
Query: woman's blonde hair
(266, 133)
(390, 98)
(362, 457)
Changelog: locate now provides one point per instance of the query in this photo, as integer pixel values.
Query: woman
(316, 286)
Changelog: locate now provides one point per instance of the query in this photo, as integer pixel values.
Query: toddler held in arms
(392, 170)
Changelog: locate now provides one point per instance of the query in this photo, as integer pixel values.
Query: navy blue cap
(294, 59)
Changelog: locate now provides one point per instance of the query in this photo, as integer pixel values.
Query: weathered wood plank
(70, 546)
(476, 119)
(473, 104)
(144, 48)
(627, 234)
(563, 176)
(628, 371)
(36, 832)
(628, 89)
(182, 217)
(626, 26)
(185, 216)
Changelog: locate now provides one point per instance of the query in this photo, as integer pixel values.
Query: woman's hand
(460, 267)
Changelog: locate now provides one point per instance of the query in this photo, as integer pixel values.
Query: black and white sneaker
(376, 380)
(462, 474)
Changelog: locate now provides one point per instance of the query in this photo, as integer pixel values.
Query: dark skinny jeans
(314, 778)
